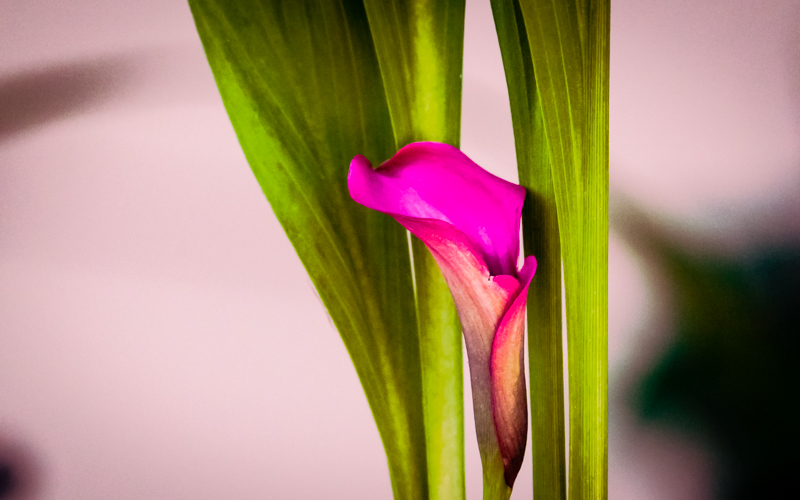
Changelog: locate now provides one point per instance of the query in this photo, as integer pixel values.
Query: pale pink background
(159, 338)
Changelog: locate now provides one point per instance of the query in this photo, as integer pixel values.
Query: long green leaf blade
(569, 46)
(420, 46)
(302, 86)
(541, 239)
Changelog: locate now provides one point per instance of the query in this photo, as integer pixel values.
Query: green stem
(442, 377)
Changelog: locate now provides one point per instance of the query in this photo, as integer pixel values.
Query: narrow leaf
(541, 238)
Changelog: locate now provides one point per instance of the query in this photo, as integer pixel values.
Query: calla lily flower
(469, 219)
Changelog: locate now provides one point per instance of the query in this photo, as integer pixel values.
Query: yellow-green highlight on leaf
(302, 86)
(419, 45)
(569, 47)
(420, 50)
(541, 239)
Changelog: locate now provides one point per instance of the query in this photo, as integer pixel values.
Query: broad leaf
(303, 89)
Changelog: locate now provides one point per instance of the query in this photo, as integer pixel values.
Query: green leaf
(569, 47)
(303, 89)
(420, 45)
(540, 238)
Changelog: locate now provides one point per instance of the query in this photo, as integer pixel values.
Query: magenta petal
(432, 180)
(509, 401)
(481, 299)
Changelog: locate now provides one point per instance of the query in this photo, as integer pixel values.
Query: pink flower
(469, 219)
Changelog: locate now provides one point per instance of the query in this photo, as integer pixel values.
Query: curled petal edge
(509, 394)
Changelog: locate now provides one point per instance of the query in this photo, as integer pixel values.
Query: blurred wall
(159, 338)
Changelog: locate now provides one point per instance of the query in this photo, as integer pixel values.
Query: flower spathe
(469, 219)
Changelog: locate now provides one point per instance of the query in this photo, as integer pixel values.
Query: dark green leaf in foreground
(541, 239)
(303, 89)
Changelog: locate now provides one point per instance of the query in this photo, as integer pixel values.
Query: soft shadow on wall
(134, 78)
(20, 471)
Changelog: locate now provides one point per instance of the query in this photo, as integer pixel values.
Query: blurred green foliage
(732, 372)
